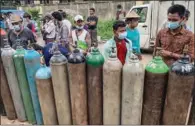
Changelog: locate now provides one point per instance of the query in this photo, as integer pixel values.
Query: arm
(49, 29)
(157, 43)
(138, 44)
(70, 40)
(88, 40)
(129, 50)
(191, 48)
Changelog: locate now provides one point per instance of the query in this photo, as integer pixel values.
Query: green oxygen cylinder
(132, 91)
(156, 78)
(18, 58)
(179, 91)
(95, 62)
(112, 77)
(8, 63)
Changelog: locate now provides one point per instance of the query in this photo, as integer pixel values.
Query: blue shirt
(134, 36)
(2, 25)
(48, 52)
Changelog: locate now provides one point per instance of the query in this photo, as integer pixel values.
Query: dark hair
(27, 15)
(57, 15)
(60, 10)
(119, 6)
(118, 24)
(187, 14)
(93, 9)
(64, 15)
(180, 9)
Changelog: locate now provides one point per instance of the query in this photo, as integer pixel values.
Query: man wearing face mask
(133, 33)
(120, 42)
(79, 37)
(19, 32)
(173, 39)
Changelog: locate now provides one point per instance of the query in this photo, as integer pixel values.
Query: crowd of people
(56, 28)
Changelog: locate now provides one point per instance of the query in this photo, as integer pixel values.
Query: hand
(139, 57)
(165, 53)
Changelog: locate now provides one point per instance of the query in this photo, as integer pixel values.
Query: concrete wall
(104, 10)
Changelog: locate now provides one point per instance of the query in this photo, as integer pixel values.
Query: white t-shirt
(50, 28)
(68, 24)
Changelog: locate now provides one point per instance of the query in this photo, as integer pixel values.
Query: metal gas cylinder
(58, 63)
(78, 89)
(156, 75)
(132, 91)
(179, 92)
(8, 63)
(18, 58)
(6, 94)
(95, 61)
(112, 71)
(32, 64)
(46, 95)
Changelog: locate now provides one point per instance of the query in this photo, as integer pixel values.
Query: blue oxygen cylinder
(46, 95)
(32, 64)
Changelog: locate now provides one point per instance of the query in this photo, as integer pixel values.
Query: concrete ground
(146, 58)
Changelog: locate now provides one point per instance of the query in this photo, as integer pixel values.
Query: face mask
(173, 25)
(16, 28)
(79, 27)
(122, 35)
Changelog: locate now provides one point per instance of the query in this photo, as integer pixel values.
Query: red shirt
(121, 51)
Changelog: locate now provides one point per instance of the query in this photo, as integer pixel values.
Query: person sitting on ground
(79, 37)
(119, 42)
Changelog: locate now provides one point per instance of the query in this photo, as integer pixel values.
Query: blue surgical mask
(173, 25)
(122, 35)
(16, 28)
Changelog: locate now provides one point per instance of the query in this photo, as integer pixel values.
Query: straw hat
(132, 14)
(15, 18)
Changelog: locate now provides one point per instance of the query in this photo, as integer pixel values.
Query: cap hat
(15, 18)
(78, 17)
(132, 14)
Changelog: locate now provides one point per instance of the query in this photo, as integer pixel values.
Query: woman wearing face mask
(120, 42)
(79, 37)
(133, 33)
(20, 32)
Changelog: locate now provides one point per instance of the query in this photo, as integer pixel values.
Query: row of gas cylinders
(88, 90)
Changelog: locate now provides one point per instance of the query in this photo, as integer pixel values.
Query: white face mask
(122, 35)
(16, 28)
(79, 27)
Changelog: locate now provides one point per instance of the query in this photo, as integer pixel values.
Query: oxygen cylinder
(8, 63)
(2, 108)
(192, 114)
(112, 70)
(95, 62)
(179, 92)
(156, 73)
(6, 95)
(46, 96)
(32, 64)
(132, 91)
(78, 89)
(58, 63)
(18, 58)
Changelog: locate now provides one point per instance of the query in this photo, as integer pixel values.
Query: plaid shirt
(175, 43)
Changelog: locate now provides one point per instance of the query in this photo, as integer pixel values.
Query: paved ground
(146, 57)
